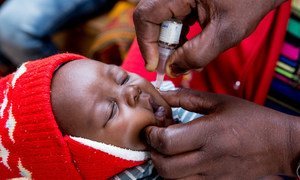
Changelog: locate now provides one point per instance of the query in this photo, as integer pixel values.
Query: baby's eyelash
(125, 80)
(113, 109)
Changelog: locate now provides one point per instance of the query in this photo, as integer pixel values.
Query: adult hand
(225, 23)
(235, 139)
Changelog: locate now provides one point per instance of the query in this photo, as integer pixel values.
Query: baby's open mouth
(159, 112)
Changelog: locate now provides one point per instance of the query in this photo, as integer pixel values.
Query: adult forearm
(295, 142)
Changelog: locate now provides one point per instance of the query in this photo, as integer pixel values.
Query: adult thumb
(197, 52)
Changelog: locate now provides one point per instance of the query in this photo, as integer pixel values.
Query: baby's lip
(159, 111)
(147, 102)
(153, 104)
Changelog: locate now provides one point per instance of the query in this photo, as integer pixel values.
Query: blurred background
(39, 28)
(103, 30)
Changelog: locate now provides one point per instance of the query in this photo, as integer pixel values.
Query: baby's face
(104, 103)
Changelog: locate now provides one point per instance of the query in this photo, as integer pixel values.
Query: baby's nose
(132, 94)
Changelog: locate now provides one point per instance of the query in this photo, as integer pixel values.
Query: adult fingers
(200, 102)
(193, 177)
(180, 138)
(182, 165)
(215, 38)
(148, 16)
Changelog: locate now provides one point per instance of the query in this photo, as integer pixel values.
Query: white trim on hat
(19, 73)
(123, 153)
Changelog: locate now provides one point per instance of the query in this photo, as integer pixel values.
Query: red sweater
(251, 62)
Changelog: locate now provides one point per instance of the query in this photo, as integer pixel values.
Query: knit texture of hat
(31, 144)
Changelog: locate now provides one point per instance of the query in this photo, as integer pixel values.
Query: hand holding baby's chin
(162, 118)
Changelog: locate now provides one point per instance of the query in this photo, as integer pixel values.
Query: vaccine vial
(168, 40)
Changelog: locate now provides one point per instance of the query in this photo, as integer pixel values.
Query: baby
(69, 117)
(104, 103)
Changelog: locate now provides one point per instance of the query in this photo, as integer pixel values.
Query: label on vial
(170, 32)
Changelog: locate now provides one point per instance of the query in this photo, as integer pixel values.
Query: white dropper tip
(159, 80)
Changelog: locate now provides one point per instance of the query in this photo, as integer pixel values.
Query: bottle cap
(170, 31)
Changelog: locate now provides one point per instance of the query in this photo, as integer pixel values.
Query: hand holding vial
(168, 41)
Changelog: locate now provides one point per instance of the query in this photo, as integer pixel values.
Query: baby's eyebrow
(114, 71)
(111, 71)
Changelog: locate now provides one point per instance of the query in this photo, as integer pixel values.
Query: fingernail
(199, 70)
(176, 70)
(169, 71)
(160, 112)
(151, 65)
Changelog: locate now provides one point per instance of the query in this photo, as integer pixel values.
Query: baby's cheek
(144, 118)
(136, 119)
(135, 124)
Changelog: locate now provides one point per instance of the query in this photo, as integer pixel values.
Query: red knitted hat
(31, 144)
